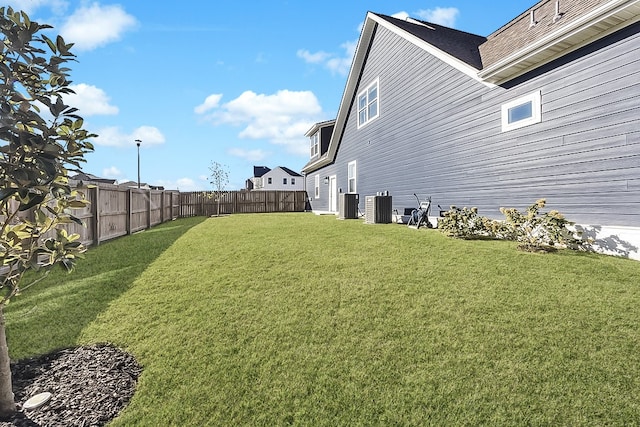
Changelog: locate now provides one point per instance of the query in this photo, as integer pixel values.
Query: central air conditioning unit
(378, 210)
(348, 206)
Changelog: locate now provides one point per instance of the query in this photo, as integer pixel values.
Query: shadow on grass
(52, 313)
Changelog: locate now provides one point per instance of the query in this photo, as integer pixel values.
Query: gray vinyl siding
(439, 134)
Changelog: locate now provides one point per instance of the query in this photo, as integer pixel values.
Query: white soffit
(596, 24)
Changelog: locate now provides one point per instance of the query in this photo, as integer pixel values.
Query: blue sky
(235, 82)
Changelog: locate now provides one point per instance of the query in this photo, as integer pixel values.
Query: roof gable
(416, 32)
(506, 54)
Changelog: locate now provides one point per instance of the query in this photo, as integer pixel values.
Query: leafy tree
(219, 180)
(36, 154)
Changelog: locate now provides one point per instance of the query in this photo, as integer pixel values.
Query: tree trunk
(7, 403)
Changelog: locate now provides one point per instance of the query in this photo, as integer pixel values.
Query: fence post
(149, 209)
(162, 207)
(129, 210)
(96, 215)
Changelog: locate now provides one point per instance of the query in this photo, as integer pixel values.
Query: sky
(235, 82)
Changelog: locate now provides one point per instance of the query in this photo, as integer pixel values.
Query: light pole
(138, 144)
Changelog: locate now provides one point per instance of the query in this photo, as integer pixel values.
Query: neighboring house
(548, 106)
(143, 185)
(255, 182)
(280, 178)
(87, 178)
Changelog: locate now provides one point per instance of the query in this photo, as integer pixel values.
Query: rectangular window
(368, 103)
(293, 181)
(523, 111)
(317, 186)
(284, 181)
(351, 177)
(269, 181)
(315, 144)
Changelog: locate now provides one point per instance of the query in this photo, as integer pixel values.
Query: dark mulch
(89, 385)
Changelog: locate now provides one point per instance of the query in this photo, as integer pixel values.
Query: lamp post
(138, 144)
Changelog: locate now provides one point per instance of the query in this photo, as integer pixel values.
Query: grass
(295, 319)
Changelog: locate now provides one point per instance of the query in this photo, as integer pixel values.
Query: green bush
(533, 229)
(465, 223)
(540, 231)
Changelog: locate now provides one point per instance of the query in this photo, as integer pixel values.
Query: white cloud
(112, 172)
(313, 58)
(281, 118)
(114, 137)
(400, 15)
(90, 100)
(210, 102)
(92, 26)
(250, 155)
(29, 6)
(337, 64)
(440, 15)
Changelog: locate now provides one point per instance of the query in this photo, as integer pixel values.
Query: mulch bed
(90, 385)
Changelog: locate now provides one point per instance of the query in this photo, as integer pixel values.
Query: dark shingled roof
(258, 171)
(289, 171)
(458, 44)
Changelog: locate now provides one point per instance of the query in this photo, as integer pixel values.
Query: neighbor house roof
(289, 171)
(87, 177)
(258, 171)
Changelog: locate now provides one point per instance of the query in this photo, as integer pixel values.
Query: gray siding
(439, 134)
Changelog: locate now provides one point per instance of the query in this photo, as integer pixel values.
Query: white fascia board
(317, 126)
(563, 34)
(349, 91)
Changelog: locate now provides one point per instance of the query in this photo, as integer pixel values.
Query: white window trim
(375, 83)
(355, 177)
(315, 144)
(535, 99)
(317, 186)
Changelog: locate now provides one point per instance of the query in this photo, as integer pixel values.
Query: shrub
(465, 223)
(535, 231)
(540, 231)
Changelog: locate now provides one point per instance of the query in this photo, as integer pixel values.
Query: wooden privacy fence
(115, 211)
(257, 201)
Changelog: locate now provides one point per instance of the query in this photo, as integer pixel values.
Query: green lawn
(297, 319)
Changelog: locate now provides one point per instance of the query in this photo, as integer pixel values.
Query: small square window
(521, 112)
